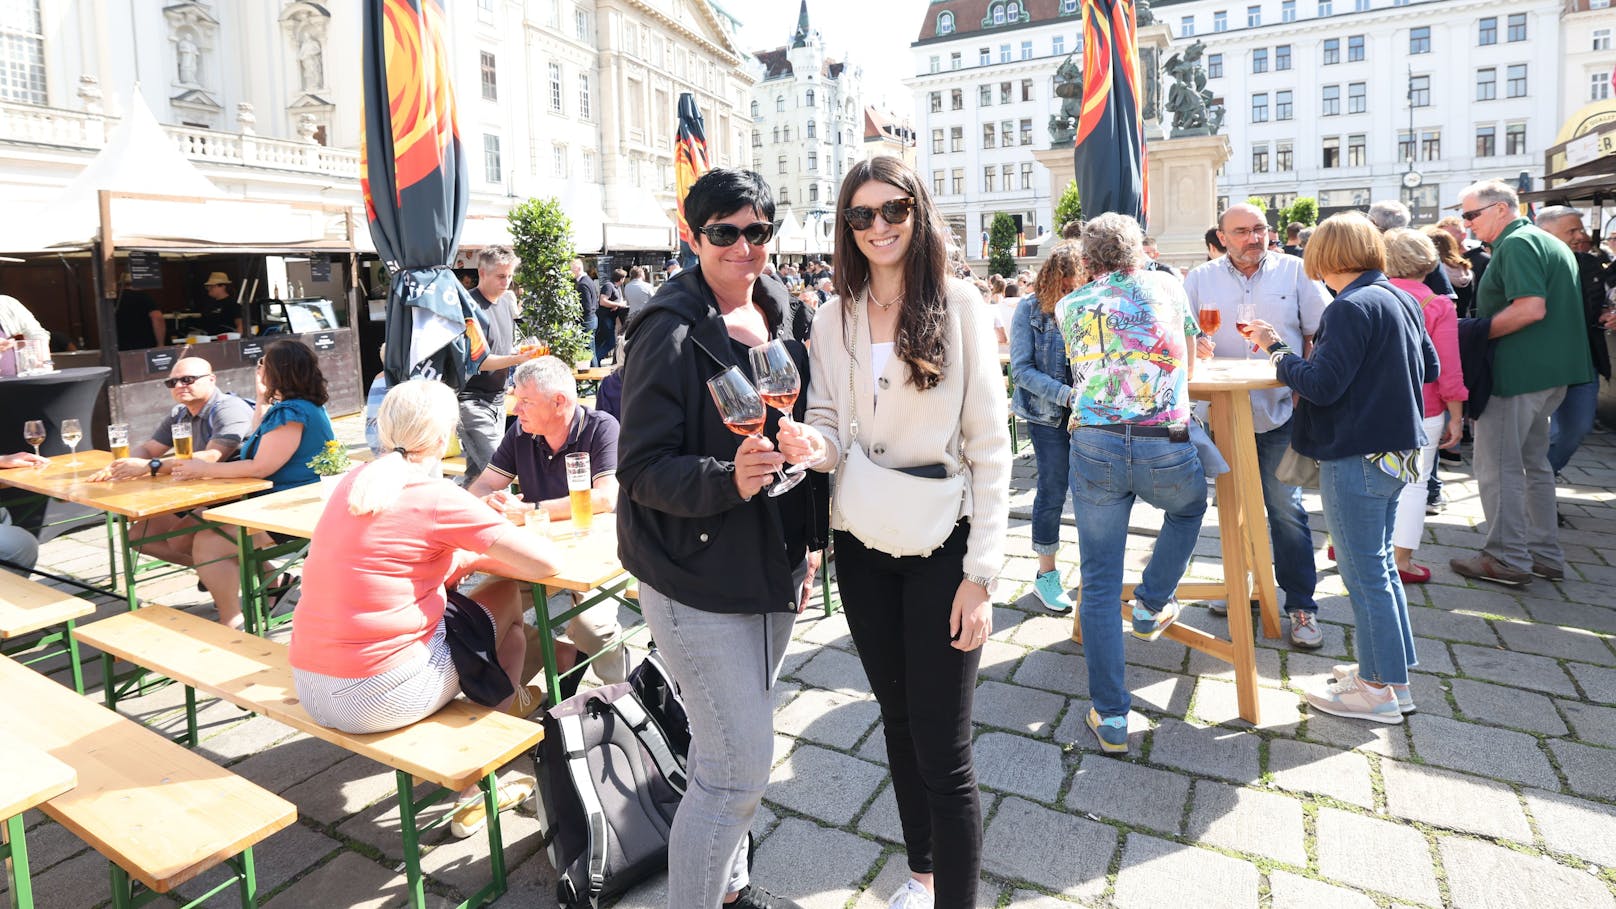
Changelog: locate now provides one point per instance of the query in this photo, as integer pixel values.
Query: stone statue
(188, 55)
(311, 62)
(1069, 88)
(246, 119)
(1150, 68)
(1142, 14)
(1189, 100)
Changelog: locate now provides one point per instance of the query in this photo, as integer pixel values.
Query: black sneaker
(755, 897)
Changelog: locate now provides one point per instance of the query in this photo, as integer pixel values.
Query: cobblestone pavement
(1500, 792)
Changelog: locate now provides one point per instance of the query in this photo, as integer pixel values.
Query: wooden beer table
(28, 777)
(1248, 559)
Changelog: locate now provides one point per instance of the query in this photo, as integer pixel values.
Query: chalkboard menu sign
(145, 270)
(252, 351)
(324, 341)
(160, 360)
(320, 268)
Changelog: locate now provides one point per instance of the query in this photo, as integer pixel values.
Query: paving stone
(1572, 615)
(1305, 767)
(1454, 801)
(1432, 656)
(819, 867)
(999, 659)
(1484, 750)
(252, 736)
(72, 884)
(1206, 666)
(1019, 765)
(1248, 820)
(1043, 631)
(835, 718)
(1031, 899)
(1027, 710)
(1506, 668)
(1472, 600)
(1597, 681)
(290, 763)
(1556, 643)
(1430, 693)
(1574, 826)
(1376, 855)
(1581, 591)
(276, 860)
(1507, 707)
(1335, 639)
(1163, 654)
(829, 631)
(1291, 891)
(346, 788)
(1218, 703)
(1305, 672)
(1162, 692)
(1590, 771)
(351, 881)
(1158, 873)
(800, 783)
(1218, 751)
(1137, 795)
(1074, 731)
(1050, 849)
(1592, 724)
(1484, 876)
(1065, 673)
(1375, 738)
(835, 669)
(881, 818)
(1451, 626)
(895, 871)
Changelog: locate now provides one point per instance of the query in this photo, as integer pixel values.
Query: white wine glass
(778, 382)
(33, 432)
(743, 411)
(72, 433)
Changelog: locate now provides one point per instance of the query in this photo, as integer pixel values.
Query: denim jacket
(1038, 367)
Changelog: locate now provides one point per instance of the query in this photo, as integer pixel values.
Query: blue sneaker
(1147, 625)
(1111, 732)
(1052, 593)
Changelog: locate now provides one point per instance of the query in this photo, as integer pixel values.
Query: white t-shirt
(880, 353)
(1005, 313)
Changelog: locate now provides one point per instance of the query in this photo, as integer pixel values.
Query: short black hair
(724, 190)
(1213, 241)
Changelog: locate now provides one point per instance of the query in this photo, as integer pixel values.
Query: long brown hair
(1065, 263)
(923, 320)
(1447, 248)
(292, 370)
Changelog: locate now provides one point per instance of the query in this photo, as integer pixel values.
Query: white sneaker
(1353, 699)
(912, 896)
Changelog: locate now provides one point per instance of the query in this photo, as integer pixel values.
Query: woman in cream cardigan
(925, 395)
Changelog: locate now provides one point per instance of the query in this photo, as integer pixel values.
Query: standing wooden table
(1248, 558)
(28, 777)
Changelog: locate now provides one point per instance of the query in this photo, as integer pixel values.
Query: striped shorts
(393, 699)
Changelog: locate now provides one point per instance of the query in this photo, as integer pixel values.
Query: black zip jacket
(682, 527)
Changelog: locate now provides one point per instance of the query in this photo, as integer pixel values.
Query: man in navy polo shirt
(551, 424)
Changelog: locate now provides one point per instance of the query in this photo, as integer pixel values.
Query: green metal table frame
(127, 893)
(14, 855)
(613, 591)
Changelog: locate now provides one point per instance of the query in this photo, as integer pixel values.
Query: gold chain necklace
(870, 292)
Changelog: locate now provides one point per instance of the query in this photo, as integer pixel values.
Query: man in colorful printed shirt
(1129, 337)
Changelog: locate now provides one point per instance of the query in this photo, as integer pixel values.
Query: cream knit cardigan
(967, 409)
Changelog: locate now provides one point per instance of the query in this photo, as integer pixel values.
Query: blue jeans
(1292, 539)
(1108, 472)
(1360, 508)
(1571, 422)
(1052, 450)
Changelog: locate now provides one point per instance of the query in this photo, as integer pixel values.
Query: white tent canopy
(790, 239)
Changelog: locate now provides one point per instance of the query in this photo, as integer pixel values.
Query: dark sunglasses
(757, 233)
(1475, 213)
(187, 381)
(893, 211)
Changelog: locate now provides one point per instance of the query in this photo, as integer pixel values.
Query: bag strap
(572, 743)
(633, 714)
(852, 394)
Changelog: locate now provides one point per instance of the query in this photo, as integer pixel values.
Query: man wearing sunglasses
(1532, 296)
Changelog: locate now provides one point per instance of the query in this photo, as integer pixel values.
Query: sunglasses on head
(187, 381)
(893, 211)
(757, 233)
(1475, 213)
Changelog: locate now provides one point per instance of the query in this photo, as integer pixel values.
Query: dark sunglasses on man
(187, 381)
(893, 211)
(1475, 213)
(757, 233)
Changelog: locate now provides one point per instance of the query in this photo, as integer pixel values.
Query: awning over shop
(790, 239)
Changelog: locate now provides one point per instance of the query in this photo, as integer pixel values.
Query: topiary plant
(1001, 246)
(1069, 208)
(541, 234)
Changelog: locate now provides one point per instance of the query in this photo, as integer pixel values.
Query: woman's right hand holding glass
(800, 443)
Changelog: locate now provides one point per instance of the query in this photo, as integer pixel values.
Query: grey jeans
(482, 425)
(17, 546)
(724, 665)
(1515, 481)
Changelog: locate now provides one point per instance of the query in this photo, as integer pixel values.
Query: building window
(589, 165)
(936, 141)
(1026, 89)
(945, 23)
(1326, 8)
(956, 99)
(984, 56)
(1486, 141)
(1214, 66)
(785, 194)
(1068, 7)
(1026, 175)
(1515, 81)
(813, 130)
(956, 138)
(1598, 86)
(1419, 91)
(1419, 40)
(492, 171)
(1007, 134)
(1431, 145)
(1220, 21)
(785, 134)
(1284, 157)
(1601, 39)
(1517, 27)
(580, 23)
(1356, 155)
(984, 96)
(1259, 107)
(1057, 45)
(1004, 93)
(757, 138)
(1026, 131)
(988, 134)
(490, 76)
(987, 178)
(1007, 176)
(1259, 60)
(1026, 50)
(934, 64)
(813, 192)
(1357, 97)
(937, 182)
(936, 103)
(558, 160)
(1004, 53)
(1282, 58)
(1405, 146)
(756, 111)
(1487, 31)
(1253, 16)
(808, 98)
(1283, 105)
(1355, 48)
(1486, 83)
(1515, 139)
(1186, 26)
(1360, 6)
(555, 88)
(782, 165)
(957, 181)
(954, 61)
(1332, 51)
(1259, 159)
(1331, 105)
(584, 105)
(813, 162)
(1332, 152)
(1287, 11)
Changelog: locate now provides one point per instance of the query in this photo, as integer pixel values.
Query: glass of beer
(118, 439)
(579, 496)
(182, 439)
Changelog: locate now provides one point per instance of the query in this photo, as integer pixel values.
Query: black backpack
(659, 694)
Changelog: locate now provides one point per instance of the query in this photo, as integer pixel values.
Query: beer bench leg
(14, 853)
(125, 894)
(409, 809)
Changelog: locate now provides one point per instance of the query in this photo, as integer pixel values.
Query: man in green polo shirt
(1531, 292)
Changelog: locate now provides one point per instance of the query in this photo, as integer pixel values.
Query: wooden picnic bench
(159, 813)
(27, 606)
(461, 745)
(28, 777)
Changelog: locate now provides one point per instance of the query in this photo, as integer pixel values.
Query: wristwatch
(154, 465)
(986, 583)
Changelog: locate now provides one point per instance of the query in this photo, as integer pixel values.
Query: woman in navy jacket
(1360, 415)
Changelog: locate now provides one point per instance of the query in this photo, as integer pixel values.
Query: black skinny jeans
(897, 610)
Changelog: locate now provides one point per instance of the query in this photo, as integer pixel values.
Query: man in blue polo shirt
(551, 424)
(1285, 298)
